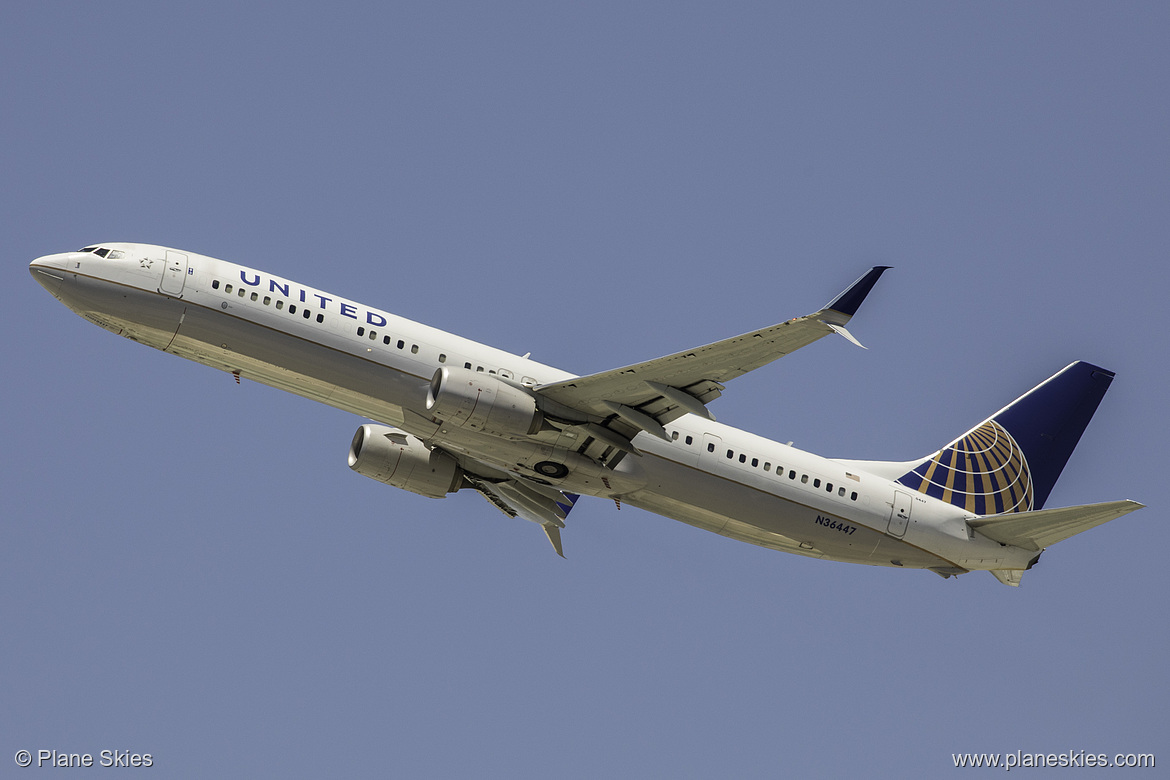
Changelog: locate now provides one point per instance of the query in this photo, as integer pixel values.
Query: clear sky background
(189, 569)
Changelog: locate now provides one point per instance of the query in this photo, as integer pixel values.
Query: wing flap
(1042, 528)
(712, 365)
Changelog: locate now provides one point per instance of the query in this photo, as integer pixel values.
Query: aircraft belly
(148, 318)
(298, 365)
(518, 455)
(235, 344)
(752, 515)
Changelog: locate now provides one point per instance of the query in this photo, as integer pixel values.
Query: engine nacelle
(482, 402)
(399, 459)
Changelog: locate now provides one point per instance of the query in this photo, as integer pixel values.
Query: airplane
(450, 414)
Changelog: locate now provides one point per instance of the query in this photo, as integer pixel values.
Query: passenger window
(255, 296)
(792, 475)
(227, 288)
(373, 335)
(767, 466)
(479, 369)
(755, 463)
(215, 284)
(710, 448)
(414, 349)
(361, 331)
(841, 492)
(742, 458)
(292, 309)
(528, 381)
(267, 299)
(804, 479)
(401, 343)
(730, 454)
(816, 483)
(320, 318)
(442, 358)
(386, 340)
(690, 440)
(307, 314)
(674, 435)
(280, 304)
(853, 496)
(467, 365)
(242, 292)
(828, 487)
(505, 373)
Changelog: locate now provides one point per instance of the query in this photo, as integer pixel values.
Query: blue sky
(188, 568)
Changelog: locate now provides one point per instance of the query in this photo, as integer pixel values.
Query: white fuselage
(378, 365)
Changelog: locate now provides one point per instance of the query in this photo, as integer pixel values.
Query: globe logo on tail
(985, 472)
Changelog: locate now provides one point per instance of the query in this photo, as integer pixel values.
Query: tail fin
(1011, 461)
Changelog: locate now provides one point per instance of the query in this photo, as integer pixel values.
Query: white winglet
(841, 329)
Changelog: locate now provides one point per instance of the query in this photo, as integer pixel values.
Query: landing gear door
(174, 274)
(899, 514)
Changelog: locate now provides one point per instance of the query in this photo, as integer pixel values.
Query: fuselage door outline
(899, 514)
(174, 274)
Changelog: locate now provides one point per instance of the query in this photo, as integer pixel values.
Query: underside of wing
(546, 506)
(645, 396)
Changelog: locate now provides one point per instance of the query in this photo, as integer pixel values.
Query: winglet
(554, 535)
(840, 329)
(1009, 576)
(849, 302)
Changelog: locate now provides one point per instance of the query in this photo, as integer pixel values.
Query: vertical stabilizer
(1011, 461)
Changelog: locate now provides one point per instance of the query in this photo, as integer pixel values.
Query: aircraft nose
(49, 271)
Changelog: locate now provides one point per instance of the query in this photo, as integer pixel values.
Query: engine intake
(399, 459)
(482, 402)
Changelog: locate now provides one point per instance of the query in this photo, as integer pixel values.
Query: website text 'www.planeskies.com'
(1069, 758)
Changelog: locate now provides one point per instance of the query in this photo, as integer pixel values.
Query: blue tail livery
(1011, 461)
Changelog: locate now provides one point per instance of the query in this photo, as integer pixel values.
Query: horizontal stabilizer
(1044, 527)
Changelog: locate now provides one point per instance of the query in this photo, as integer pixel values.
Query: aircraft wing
(644, 396)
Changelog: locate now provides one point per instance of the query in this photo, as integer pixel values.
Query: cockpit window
(109, 254)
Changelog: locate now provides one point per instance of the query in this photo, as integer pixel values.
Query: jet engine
(482, 402)
(399, 459)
